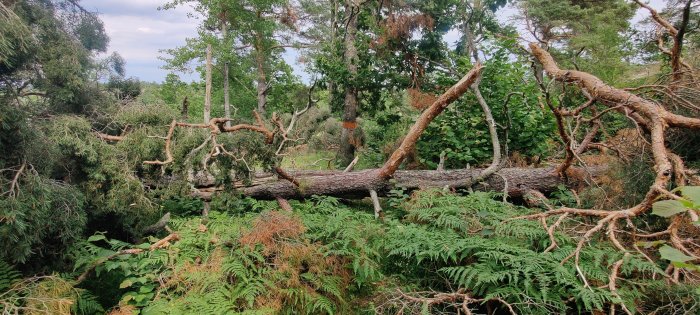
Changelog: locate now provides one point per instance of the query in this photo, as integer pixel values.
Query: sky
(138, 30)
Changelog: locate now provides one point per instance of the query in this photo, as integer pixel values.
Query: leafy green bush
(461, 133)
(41, 222)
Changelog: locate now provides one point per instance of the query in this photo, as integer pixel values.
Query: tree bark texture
(348, 139)
(262, 77)
(353, 185)
(227, 102)
(207, 96)
(184, 113)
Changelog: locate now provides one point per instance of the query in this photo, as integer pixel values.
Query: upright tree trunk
(207, 96)
(677, 50)
(227, 104)
(262, 78)
(348, 140)
(471, 49)
(185, 108)
(334, 37)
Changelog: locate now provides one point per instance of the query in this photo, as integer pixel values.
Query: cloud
(138, 30)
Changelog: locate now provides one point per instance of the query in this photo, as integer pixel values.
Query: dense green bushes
(460, 132)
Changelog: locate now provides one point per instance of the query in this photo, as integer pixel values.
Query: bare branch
(393, 163)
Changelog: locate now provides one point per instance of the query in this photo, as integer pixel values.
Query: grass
(306, 159)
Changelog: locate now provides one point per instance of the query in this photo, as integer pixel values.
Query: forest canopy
(438, 157)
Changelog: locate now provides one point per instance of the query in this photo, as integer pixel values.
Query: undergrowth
(327, 257)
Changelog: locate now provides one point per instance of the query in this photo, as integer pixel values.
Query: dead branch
(168, 142)
(409, 141)
(14, 185)
(460, 300)
(154, 228)
(284, 204)
(612, 284)
(352, 164)
(282, 174)
(107, 137)
(657, 17)
(678, 43)
(375, 203)
(496, 164)
(292, 122)
(656, 118)
(216, 125)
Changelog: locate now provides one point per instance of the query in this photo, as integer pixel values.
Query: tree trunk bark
(262, 77)
(331, 84)
(185, 109)
(348, 139)
(207, 96)
(227, 103)
(514, 181)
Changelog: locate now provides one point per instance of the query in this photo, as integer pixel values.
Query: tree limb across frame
(216, 125)
(291, 184)
(667, 165)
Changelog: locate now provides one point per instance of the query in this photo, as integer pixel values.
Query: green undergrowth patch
(329, 257)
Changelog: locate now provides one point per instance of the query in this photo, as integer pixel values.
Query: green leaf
(146, 289)
(650, 244)
(672, 254)
(126, 283)
(667, 208)
(96, 237)
(692, 193)
(688, 266)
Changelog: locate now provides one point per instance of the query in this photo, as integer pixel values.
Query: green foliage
(236, 204)
(124, 88)
(14, 36)
(670, 208)
(465, 240)
(461, 133)
(328, 256)
(86, 303)
(689, 202)
(327, 222)
(589, 35)
(671, 299)
(99, 170)
(8, 275)
(67, 37)
(42, 221)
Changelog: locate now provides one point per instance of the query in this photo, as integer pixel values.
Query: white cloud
(138, 30)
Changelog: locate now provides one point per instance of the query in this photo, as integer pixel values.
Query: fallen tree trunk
(515, 181)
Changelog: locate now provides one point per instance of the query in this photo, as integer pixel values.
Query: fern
(8, 276)
(86, 303)
(338, 259)
(445, 237)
